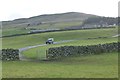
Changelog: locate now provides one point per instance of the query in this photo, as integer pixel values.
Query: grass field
(34, 39)
(13, 31)
(18, 29)
(95, 66)
(91, 66)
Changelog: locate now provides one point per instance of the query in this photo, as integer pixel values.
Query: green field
(91, 66)
(34, 39)
(95, 66)
(18, 29)
(13, 31)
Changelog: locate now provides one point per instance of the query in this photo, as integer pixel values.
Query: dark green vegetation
(95, 66)
(103, 20)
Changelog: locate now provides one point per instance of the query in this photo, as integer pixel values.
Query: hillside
(52, 22)
(70, 16)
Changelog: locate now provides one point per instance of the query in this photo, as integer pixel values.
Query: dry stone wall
(57, 52)
(9, 54)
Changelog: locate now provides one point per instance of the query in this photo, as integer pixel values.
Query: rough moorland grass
(95, 66)
(40, 52)
(34, 39)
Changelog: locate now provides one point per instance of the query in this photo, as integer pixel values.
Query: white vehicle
(50, 41)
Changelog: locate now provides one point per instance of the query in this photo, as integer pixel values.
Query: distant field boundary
(53, 31)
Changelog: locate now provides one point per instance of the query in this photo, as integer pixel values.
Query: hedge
(9, 54)
(57, 52)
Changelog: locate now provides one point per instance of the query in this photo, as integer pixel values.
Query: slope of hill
(70, 16)
(61, 21)
(44, 22)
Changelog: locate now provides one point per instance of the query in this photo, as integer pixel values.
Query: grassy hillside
(70, 16)
(95, 66)
(47, 21)
(34, 39)
(12, 30)
(70, 20)
(57, 25)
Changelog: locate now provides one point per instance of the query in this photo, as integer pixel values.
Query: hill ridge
(68, 16)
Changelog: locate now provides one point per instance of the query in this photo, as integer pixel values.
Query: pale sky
(14, 9)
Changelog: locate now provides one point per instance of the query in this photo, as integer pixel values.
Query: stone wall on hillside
(9, 54)
(63, 51)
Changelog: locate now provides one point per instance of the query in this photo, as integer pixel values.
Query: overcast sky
(13, 9)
